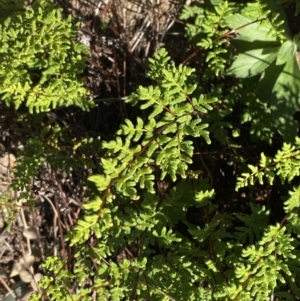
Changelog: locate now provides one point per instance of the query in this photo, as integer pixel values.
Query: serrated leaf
(286, 50)
(285, 99)
(253, 62)
(248, 29)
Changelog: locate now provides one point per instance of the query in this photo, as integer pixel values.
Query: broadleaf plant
(268, 50)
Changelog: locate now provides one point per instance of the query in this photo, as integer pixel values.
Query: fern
(134, 243)
(265, 260)
(41, 62)
(250, 232)
(261, 16)
(285, 165)
(219, 259)
(138, 149)
(209, 25)
(54, 146)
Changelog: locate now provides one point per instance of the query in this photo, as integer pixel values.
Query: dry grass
(121, 35)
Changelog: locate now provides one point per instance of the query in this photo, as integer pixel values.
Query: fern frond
(174, 114)
(254, 224)
(40, 64)
(286, 165)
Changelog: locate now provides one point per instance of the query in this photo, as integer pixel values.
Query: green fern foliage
(133, 243)
(63, 284)
(207, 27)
(286, 165)
(149, 274)
(138, 149)
(266, 265)
(40, 59)
(249, 232)
(138, 241)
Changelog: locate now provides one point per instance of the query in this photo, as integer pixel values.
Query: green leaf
(250, 29)
(286, 50)
(285, 99)
(253, 62)
(93, 205)
(101, 181)
(216, 2)
(267, 82)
